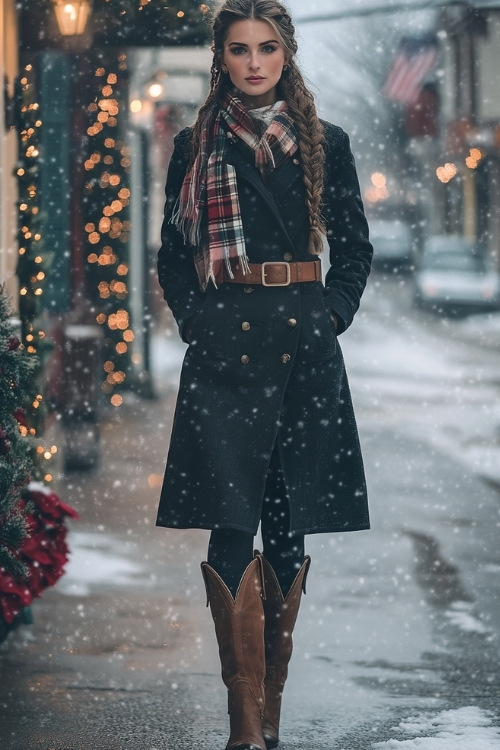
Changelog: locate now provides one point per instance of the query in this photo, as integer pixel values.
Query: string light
(107, 227)
(34, 259)
(474, 157)
(446, 172)
(30, 238)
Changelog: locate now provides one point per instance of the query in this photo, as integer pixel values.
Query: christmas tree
(16, 464)
(33, 548)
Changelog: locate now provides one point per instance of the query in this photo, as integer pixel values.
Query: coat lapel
(283, 178)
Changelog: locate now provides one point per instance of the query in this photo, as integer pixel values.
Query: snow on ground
(95, 560)
(461, 616)
(435, 379)
(468, 728)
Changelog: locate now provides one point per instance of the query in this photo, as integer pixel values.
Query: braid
(311, 134)
(311, 138)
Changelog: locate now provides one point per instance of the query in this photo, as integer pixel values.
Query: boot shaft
(239, 623)
(239, 628)
(281, 613)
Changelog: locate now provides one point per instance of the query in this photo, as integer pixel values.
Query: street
(397, 641)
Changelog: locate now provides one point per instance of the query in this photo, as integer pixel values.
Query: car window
(454, 262)
(449, 244)
(389, 230)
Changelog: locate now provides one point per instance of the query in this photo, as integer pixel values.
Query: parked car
(454, 276)
(392, 242)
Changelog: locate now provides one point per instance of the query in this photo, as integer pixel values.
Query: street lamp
(72, 16)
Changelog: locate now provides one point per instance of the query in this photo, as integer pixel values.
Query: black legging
(230, 551)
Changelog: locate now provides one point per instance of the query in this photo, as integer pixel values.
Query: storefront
(78, 268)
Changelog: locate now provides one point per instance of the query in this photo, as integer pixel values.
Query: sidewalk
(108, 640)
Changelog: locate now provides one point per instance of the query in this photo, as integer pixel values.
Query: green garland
(151, 22)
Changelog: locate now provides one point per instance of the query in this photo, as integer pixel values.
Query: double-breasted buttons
(291, 322)
(248, 289)
(245, 359)
(288, 256)
(245, 326)
(296, 161)
(285, 358)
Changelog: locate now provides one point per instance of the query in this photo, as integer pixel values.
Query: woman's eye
(238, 50)
(268, 48)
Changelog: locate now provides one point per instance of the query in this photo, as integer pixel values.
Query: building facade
(469, 173)
(8, 147)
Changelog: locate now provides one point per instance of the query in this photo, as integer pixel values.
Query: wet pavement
(398, 622)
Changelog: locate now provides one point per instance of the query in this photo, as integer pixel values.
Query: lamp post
(72, 16)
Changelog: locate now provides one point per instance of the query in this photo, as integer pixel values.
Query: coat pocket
(318, 340)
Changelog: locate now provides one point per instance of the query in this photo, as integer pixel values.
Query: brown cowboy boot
(280, 616)
(239, 628)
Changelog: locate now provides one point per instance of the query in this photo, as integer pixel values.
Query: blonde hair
(293, 90)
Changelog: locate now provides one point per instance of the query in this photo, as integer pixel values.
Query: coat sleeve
(176, 270)
(347, 229)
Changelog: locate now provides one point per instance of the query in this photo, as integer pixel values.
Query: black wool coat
(264, 369)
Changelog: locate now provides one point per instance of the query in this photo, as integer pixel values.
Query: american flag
(414, 58)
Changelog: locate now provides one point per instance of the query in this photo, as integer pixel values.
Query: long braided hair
(293, 90)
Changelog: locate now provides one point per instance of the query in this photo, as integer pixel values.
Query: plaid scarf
(211, 184)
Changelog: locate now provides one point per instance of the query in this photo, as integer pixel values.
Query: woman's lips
(255, 79)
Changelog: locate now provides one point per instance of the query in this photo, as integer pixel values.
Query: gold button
(288, 256)
(291, 322)
(285, 358)
(245, 359)
(245, 326)
(248, 289)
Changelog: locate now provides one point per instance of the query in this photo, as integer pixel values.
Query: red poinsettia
(13, 343)
(44, 551)
(20, 417)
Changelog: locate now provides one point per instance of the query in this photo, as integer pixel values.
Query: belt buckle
(276, 283)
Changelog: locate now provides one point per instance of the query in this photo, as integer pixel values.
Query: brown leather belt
(273, 273)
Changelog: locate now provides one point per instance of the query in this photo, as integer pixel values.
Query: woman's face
(254, 59)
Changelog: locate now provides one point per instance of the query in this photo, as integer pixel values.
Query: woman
(264, 430)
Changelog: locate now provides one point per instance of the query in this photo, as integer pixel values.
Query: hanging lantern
(72, 16)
